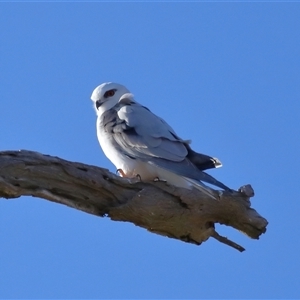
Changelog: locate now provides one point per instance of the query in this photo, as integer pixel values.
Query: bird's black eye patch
(109, 93)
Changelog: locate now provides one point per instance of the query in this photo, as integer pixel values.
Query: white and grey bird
(139, 143)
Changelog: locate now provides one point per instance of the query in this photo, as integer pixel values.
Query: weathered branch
(187, 215)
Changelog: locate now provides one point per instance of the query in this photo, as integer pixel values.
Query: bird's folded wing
(144, 135)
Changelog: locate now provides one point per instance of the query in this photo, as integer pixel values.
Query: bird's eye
(109, 93)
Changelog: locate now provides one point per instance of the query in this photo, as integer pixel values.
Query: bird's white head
(107, 95)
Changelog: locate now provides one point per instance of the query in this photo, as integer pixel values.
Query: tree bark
(187, 215)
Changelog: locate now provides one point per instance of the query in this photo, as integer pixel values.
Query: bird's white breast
(131, 167)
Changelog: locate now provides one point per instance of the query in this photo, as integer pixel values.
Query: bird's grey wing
(162, 136)
(141, 134)
(145, 135)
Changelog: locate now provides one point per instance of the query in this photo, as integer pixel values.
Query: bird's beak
(98, 104)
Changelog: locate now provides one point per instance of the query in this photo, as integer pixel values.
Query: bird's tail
(201, 187)
(204, 188)
(211, 180)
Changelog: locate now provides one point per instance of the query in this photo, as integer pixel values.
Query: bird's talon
(156, 179)
(120, 172)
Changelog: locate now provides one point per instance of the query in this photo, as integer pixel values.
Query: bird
(142, 145)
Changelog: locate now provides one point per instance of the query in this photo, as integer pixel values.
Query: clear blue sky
(225, 75)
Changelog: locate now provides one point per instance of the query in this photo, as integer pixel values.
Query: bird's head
(106, 95)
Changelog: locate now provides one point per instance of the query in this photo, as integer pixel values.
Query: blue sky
(225, 75)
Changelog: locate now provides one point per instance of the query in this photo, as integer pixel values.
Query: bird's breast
(130, 166)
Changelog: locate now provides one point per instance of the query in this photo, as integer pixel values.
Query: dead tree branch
(187, 215)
